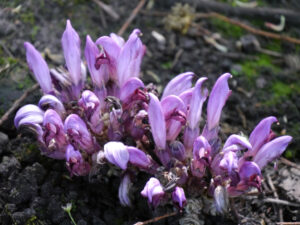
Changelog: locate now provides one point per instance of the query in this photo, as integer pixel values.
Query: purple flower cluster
(85, 125)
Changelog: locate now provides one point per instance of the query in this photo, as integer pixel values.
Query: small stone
(8, 165)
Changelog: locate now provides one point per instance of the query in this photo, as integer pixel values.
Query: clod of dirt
(290, 182)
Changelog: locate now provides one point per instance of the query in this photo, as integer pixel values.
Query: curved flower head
(153, 191)
(178, 84)
(39, 68)
(71, 47)
(117, 154)
(261, 134)
(78, 133)
(29, 115)
(51, 102)
(75, 163)
(124, 190)
(178, 197)
(157, 122)
(217, 100)
(271, 150)
(236, 142)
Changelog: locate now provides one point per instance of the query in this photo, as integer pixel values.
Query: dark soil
(34, 188)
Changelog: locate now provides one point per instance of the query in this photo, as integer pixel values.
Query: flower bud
(221, 199)
(177, 150)
(153, 191)
(178, 197)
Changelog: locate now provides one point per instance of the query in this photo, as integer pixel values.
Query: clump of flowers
(121, 121)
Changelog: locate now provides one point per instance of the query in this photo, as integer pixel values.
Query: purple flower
(216, 101)
(229, 161)
(261, 135)
(54, 136)
(91, 52)
(91, 106)
(175, 115)
(124, 190)
(271, 150)
(201, 156)
(117, 154)
(71, 47)
(178, 84)
(198, 98)
(78, 133)
(178, 197)
(139, 158)
(124, 60)
(75, 163)
(221, 199)
(39, 68)
(51, 102)
(153, 191)
(157, 122)
(29, 115)
(236, 142)
(129, 88)
(130, 58)
(177, 150)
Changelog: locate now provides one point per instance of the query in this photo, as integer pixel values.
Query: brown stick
(289, 163)
(249, 28)
(108, 9)
(270, 182)
(131, 17)
(265, 13)
(281, 202)
(156, 219)
(17, 103)
(288, 223)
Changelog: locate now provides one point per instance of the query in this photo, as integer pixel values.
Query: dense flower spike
(117, 119)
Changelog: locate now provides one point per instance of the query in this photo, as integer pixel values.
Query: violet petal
(178, 84)
(271, 150)
(117, 154)
(39, 68)
(217, 100)
(71, 47)
(157, 122)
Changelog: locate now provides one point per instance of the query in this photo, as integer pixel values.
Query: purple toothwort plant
(87, 124)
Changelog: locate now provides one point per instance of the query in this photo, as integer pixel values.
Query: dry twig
(131, 17)
(270, 182)
(281, 202)
(155, 219)
(16, 104)
(249, 28)
(289, 163)
(108, 9)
